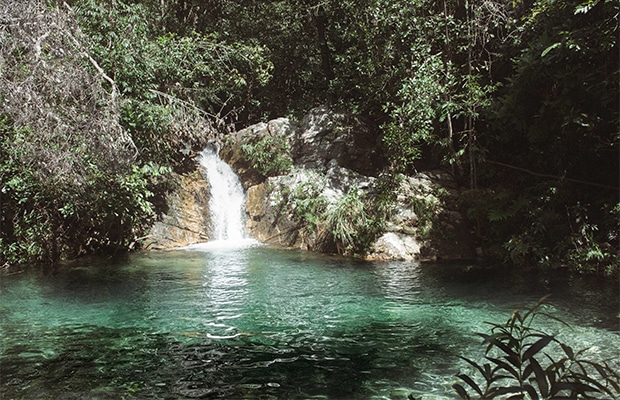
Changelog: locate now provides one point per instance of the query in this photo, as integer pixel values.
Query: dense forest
(102, 100)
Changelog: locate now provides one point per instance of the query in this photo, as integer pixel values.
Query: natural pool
(262, 323)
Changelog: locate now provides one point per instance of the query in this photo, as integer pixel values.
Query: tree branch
(560, 178)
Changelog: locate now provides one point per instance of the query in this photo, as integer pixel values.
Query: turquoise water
(261, 323)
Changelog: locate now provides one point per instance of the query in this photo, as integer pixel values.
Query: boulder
(321, 140)
(187, 219)
(232, 149)
(425, 222)
(324, 137)
(395, 246)
(282, 210)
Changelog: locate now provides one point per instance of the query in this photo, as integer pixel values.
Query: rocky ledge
(314, 184)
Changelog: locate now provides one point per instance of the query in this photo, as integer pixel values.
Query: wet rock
(333, 154)
(187, 219)
(395, 246)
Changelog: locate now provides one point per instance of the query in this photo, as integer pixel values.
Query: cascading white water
(227, 201)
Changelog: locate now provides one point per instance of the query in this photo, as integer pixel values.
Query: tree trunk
(320, 19)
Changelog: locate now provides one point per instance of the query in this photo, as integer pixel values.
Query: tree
(553, 138)
(68, 179)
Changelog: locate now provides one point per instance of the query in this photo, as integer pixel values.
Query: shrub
(518, 366)
(271, 155)
(351, 223)
(309, 205)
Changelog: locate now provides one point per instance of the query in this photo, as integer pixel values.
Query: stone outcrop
(422, 224)
(290, 210)
(425, 222)
(187, 219)
(324, 138)
(333, 156)
(232, 150)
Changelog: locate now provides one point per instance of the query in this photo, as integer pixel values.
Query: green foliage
(216, 76)
(562, 95)
(520, 364)
(70, 178)
(309, 205)
(412, 121)
(590, 250)
(426, 209)
(271, 155)
(350, 223)
(536, 227)
(518, 98)
(48, 218)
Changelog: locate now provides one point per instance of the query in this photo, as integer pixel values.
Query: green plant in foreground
(519, 368)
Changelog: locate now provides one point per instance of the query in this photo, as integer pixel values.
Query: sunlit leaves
(271, 155)
(201, 68)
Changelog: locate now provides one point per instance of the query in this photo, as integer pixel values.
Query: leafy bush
(271, 155)
(519, 367)
(71, 180)
(144, 58)
(353, 224)
(309, 205)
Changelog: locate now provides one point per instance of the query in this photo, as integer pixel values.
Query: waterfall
(227, 202)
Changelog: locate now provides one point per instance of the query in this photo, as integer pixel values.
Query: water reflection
(399, 280)
(257, 322)
(225, 291)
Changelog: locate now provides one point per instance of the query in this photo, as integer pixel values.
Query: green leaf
(548, 49)
(461, 391)
(568, 351)
(505, 366)
(541, 377)
(586, 6)
(531, 391)
(576, 387)
(484, 371)
(536, 347)
(471, 383)
(492, 340)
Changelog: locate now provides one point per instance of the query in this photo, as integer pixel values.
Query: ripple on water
(262, 323)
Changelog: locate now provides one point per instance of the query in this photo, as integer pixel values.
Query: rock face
(232, 151)
(187, 219)
(321, 140)
(335, 156)
(326, 199)
(290, 210)
(425, 223)
(324, 137)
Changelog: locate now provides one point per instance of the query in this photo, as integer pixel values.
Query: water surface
(261, 323)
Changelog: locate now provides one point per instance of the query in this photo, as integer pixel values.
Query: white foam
(223, 245)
